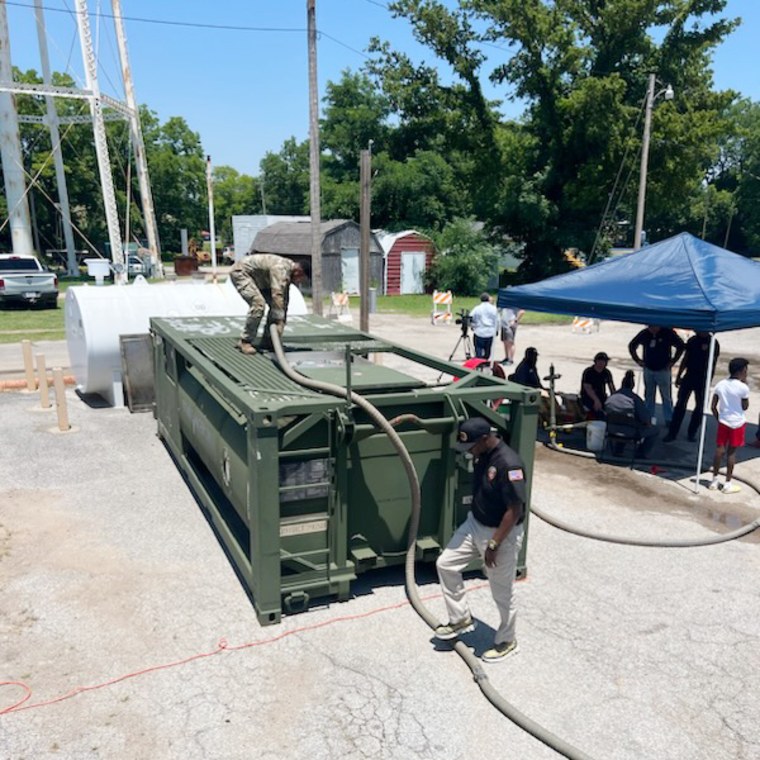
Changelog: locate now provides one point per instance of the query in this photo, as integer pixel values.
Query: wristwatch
(493, 545)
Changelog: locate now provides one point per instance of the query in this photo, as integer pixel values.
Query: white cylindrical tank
(97, 316)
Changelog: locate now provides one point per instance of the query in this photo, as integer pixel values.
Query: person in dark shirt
(691, 378)
(661, 349)
(526, 372)
(492, 531)
(595, 382)
(626, 403)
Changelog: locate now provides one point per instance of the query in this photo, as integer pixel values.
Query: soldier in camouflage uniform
(264, 279)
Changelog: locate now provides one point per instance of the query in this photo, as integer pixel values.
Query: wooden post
(314, 184)
(26, 349)
(60, 400)
(43, 382)
(364, 217)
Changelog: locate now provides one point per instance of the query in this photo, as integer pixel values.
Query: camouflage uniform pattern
(261, 279)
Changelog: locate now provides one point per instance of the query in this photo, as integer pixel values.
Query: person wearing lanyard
(492, 531)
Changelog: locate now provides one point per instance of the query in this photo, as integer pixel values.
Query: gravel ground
(122, 616)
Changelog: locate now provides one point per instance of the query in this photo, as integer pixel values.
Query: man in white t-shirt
(729, 402)
(484, 319)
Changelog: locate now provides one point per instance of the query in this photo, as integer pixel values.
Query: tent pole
(705, 408)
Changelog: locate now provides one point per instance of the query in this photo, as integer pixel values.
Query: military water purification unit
(302, 489)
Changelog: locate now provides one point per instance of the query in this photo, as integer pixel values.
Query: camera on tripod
(464, 319)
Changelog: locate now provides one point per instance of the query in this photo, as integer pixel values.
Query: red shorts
(732, 437)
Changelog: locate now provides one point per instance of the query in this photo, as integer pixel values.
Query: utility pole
(364, 218)
(262, 180)
(314, 186)
(10, 152)
(644, 164)
(651, 97)
(707, 205)
(141, 163)
(72, 268)
(211, 227)
(101, 144)
(731, 212)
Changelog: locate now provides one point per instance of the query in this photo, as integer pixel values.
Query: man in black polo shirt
(595, 382)
(691, 378)
(493, 531)
(661, 349)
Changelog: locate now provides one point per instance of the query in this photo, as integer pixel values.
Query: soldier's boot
(245, 347)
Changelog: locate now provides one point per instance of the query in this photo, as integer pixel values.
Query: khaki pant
(469, 542)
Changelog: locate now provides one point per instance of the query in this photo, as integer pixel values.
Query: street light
(668, 93)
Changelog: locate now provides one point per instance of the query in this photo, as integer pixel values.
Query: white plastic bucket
(595, 432)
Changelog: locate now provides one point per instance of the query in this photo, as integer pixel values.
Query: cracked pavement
(108, 568)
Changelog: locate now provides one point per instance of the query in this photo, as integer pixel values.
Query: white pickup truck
(23, 280)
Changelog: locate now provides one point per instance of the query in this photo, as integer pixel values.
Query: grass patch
(17, 324)
(32, 323)
(422, 305)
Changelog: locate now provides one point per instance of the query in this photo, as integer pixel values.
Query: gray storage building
(340, 251)
(246, 227)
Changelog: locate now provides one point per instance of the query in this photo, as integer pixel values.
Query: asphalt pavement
(126, 633)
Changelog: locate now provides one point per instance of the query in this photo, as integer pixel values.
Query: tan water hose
(489, 691)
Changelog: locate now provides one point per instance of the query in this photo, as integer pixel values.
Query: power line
(164, 22)
(343, 44)
(199, 25)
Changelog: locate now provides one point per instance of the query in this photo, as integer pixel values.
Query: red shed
(407, 256)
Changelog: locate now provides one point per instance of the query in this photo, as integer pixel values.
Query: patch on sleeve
(513, 475)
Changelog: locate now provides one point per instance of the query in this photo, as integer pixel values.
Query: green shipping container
(302, 489)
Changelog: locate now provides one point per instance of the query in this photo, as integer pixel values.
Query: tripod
(463, 338)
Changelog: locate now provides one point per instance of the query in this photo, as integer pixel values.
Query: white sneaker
(714, 485)
(731, 488)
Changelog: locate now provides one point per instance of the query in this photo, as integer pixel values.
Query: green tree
(730, 203)
(453, 120)
(466, 258)
(177, 169)
(355, 115)
(285, 178)
(340, 198)
(582, 68)
(234, 194)
(421, 192)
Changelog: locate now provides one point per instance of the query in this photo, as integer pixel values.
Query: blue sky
(244, 89)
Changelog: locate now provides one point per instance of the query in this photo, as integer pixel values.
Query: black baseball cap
(470, 432)
(601, 356)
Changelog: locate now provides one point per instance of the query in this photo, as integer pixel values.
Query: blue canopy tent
(679, 282)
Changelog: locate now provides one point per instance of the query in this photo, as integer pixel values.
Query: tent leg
(705, 403)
